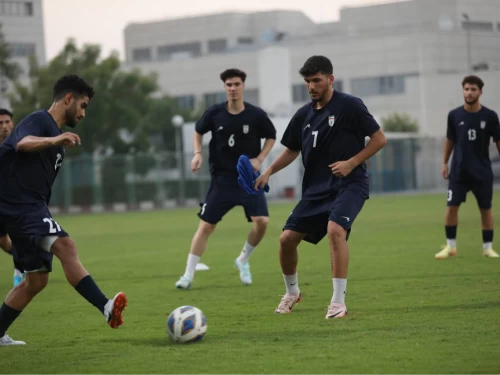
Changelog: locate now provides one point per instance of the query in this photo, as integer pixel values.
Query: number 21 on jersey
(58, 161)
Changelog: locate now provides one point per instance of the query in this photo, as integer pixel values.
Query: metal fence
(165, 180)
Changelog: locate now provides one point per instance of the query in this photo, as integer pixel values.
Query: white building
(22, 26)
(402, 57)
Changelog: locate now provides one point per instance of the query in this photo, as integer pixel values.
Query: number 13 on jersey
(472, 134)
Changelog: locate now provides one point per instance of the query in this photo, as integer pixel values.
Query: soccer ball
(186, 324)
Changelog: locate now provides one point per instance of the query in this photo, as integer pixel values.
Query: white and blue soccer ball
(186, 324)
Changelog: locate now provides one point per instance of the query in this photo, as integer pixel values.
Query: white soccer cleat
(6, 340)
(287, 303)
(244, 268)
(183, 283)
(490, 253)
(114, 309)
(447, 252)
(336, 310)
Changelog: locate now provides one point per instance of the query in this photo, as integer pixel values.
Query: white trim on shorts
(46, 243)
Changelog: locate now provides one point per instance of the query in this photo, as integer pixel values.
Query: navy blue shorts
(3, 231)
(482, 190)
(312, 217)
(27, 228)
(224, 194)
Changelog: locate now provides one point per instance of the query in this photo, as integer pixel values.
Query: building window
(214, 98)
(15, 8)
(179, 51)
(338, 85)
(477, 25)
(381, 85)
(251, 96)
(217, 45)
(245, 40)
(141, 54)
(185, 102)
(300, 93)
(22, 49)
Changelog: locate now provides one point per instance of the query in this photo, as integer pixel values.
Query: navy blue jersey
(234, 135)
(26, 177)
(472, 132)
(333, 133)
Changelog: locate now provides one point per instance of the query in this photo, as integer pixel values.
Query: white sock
(452, 243)
(17, 273)
(339, 287)
(292, 284)
(192, 261)
(487, 245)
(246, 252)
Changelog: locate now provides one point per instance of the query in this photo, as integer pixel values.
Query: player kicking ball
(30, 159)
(470, 129)
(330, 133)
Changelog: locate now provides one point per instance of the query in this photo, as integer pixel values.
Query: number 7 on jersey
(315, 134)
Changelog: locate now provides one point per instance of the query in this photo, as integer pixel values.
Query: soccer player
(30, 159)
(237, 128)
(470, 128)
(6, 126)
(330, 132)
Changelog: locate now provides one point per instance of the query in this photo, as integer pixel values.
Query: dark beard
(472, 102)
(70, 119)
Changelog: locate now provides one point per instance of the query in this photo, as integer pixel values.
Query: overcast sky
(103, 21)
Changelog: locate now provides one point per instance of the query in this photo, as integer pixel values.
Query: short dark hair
(316, 64)
(72, 84)
(473, 80)
(4, 111)
(231, 73)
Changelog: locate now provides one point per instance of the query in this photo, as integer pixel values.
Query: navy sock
(7, 317)
(451, 232)
(91, 292)
(487, 236)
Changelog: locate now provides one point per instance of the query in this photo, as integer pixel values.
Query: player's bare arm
(498, 147)
(197, 147)
(36, 144)
(448, 148)
(374, 145)
(285, 159)
(257, 162)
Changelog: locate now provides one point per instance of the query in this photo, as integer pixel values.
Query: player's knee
(260, 222)
(36, 281)
(6, 244)
(336, 232)
(64, 248)
(288, 240)
(206, 229)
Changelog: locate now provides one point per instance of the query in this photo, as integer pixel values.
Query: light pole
(466, 18)
(177, 122)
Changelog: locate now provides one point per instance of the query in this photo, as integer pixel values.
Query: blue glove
(247, 176)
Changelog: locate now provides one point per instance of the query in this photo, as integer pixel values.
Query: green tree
(399, 122)
(8, 68)
(121, 103)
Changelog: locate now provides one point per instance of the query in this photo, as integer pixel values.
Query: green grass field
(408, 313)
